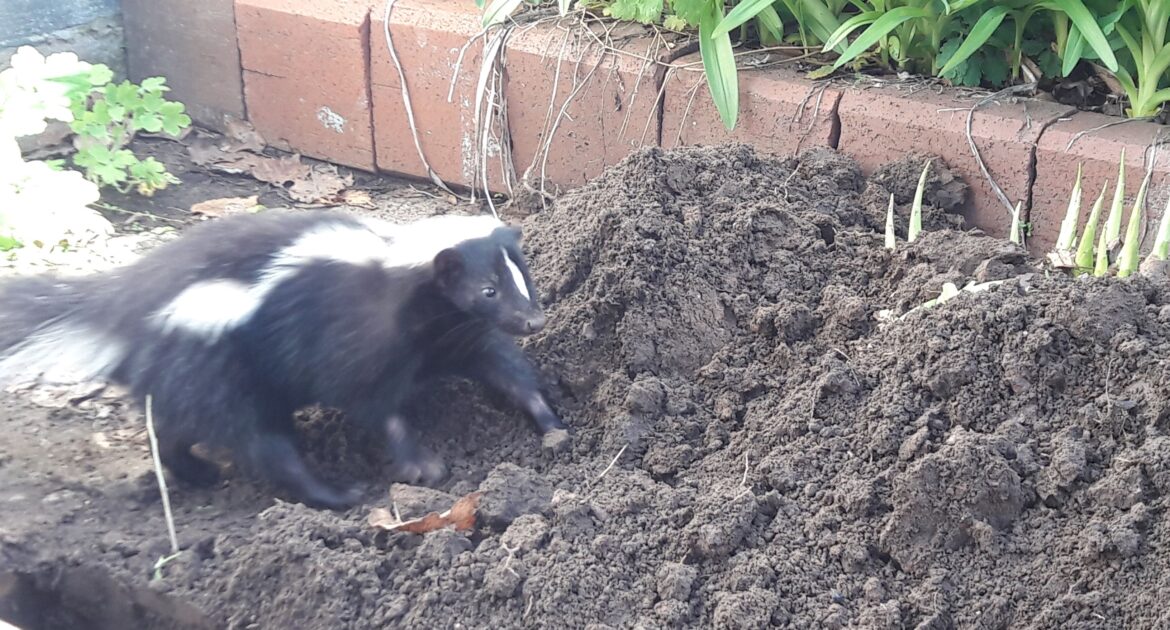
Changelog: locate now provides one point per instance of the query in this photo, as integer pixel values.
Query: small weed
(107, 118)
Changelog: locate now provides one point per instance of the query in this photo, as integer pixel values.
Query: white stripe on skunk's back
(210, 308)
(418, 243)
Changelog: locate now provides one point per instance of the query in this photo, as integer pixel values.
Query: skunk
(241, 321)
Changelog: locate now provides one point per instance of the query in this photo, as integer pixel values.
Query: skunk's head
(489, 279)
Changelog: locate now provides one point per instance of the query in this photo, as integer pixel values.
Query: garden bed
(752, 445)
(335, 93)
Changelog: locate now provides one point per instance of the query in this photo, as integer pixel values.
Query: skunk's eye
(489, 292)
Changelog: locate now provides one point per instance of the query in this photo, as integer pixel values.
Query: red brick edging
(318, 78)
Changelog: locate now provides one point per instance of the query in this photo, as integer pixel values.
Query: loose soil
(752, 445)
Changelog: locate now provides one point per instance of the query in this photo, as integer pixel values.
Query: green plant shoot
(1128, 263)
(1161, 249)
(1014, 232)
(1084, 261)
(891, 241)
(1101, 264)
(1111, 235)
(916, 209)
(1066, 240)
(1113, 225)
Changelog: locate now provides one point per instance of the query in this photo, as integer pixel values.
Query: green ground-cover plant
(107, 118)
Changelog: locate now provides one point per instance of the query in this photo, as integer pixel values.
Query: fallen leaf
(280, 171)
(242, 135)
(53, 142)
(322, 185)
(1109, 78)
(101, 440)
(356, 198)
(207, 152)
(305, 184)
(229, 205)
(461, 516)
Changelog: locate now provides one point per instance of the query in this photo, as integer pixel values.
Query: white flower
(29, 95)
(41, 207)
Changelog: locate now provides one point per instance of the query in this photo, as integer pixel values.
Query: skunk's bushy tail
(44, 333)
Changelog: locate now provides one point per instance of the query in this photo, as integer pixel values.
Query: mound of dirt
(752, 446)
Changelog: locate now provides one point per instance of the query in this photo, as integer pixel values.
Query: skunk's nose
(535, 324)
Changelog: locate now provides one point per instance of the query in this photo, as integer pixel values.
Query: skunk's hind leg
(185, 466)
(177, 433)
(413, 462)
(275, 456)
(272, 453)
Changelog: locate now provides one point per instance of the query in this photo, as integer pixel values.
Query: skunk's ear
(448, 265)
(514, 232)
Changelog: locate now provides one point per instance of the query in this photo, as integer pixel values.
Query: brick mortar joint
(661, 73)
(1033, 158)
(367, 30)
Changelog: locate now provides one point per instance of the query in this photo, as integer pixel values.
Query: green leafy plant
(967, 42)
(937, 37)
(1143, 29)
(109, 116)
(643, 11)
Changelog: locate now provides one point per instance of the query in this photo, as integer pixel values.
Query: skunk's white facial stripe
(517, 277)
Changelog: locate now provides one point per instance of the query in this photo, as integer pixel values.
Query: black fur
(357, 338)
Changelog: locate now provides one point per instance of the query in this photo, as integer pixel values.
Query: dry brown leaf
(228, 205)
(101, 440)
(280, 171)
(461, 516)
(203, 151)
(305, 184)
(322, 185)
(206, 152)
(356, 198)
(1109, 78)
(242, 136)
(53, 142)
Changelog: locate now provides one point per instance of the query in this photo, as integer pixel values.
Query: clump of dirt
(943, 194)
(752, 446)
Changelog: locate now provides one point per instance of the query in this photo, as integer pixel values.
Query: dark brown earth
(752, 446)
